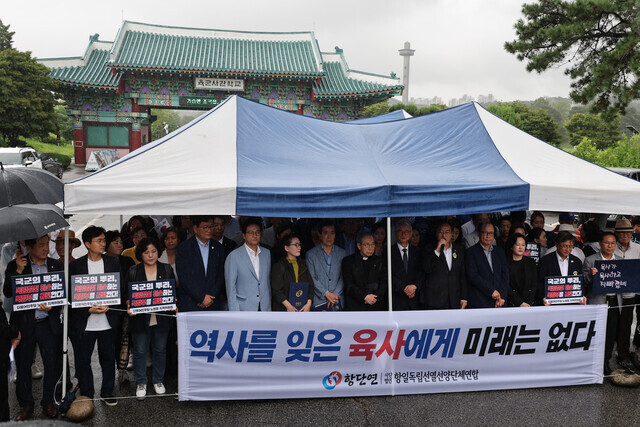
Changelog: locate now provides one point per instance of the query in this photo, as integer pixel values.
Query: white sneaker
(36, 373)
(141, 391)
(159, 388)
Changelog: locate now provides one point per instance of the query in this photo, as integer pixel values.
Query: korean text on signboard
(95, 289)
(563, 289)
(617, 276)
(31, 290)
(152, 296)
(209, 83)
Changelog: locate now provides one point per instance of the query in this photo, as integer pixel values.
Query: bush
(65, 160)
(50, 139)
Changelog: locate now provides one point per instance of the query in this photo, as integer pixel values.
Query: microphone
(441, 248)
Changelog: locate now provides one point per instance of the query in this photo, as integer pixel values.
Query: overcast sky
(459, 43)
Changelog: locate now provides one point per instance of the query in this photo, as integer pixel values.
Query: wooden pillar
(79, 145)
(136, 137)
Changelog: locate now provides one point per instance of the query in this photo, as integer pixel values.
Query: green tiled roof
(146, 50)
(93, 72)
(338, 84)
(228, 53)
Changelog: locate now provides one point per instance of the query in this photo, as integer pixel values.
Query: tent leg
(389, 275)
(65, 344)
(121, 218)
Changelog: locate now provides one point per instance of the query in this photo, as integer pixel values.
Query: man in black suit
(98, 323)
(41, 326)
(487, 271)
(445, 280)
(200, 267)
(406, 279)
(361, 272)
(559, 263)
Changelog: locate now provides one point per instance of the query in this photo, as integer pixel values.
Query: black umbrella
(22, 222)
(20, 185)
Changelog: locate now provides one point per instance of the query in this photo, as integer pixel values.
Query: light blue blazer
(323, 280)
(244, 290)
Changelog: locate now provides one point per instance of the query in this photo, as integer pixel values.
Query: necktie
(405, 260)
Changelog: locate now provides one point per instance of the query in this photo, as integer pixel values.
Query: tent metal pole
(389, 275)
(121, 222)
(65, 338)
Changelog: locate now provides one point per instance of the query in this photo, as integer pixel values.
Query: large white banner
(268, 355)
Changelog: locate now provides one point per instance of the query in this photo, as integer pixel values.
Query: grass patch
(65, 149)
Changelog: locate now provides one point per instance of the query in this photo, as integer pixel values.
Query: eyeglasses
(253, 233)
(297, 245)
(487, 233)
(444, 232)
(368, 244)
(207, 227)
(104, 241)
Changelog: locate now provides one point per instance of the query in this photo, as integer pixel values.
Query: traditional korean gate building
(111, 89)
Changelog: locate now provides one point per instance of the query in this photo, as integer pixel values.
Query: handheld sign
(617, 276)
(533, 251)
(31, 290)
(563, 289)
(152, 296)
(95, 289)
(298, 294)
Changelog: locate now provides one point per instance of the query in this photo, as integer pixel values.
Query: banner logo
(332, 380)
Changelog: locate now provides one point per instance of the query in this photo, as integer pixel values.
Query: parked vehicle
(20, 157)
(51, 164)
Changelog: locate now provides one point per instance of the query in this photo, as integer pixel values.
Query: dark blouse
(523, 279)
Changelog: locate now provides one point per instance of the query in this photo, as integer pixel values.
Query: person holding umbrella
(40, 326)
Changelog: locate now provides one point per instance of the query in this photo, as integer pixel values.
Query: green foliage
(507, 113)
(27, 97)
(163, 115)
(601, 131)
(596, 39)
(535, 121)
(430, 109)
(375, 110)
(6, 36)
(625, 153)
(64, 123)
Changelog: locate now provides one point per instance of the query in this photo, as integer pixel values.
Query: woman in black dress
(523, 274)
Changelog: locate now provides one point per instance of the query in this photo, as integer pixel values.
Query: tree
(27, 97)
(430, 109)
(537, 122)
(596, 39)
(64, 123)
(6, 36)
(375, 110)
(599, 130)
(163, 116)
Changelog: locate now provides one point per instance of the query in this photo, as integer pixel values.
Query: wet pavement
(580, 405)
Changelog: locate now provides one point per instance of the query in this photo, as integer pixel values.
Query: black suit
(46, 333)
(401, 278)
(444, 288)
(523, 282)
(363, 277)
(194, 284)
(549, 267)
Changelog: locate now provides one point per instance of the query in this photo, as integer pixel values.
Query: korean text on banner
(225, 355)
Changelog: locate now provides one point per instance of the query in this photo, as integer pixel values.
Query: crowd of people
(249, 264)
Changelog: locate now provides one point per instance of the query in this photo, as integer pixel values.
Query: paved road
(585, 405)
